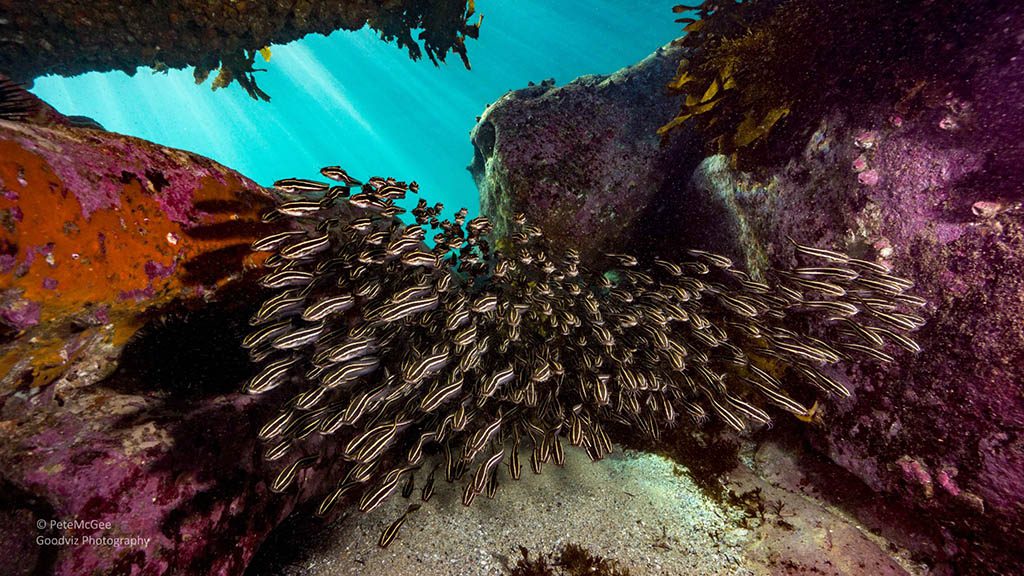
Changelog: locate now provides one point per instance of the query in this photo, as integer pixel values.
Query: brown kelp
(479, 348)
(760, 67)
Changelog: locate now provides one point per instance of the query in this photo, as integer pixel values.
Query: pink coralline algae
(915, 474)
(172, 480)
(584, 182)
(137, 295)
(945, 479)
(868, 177)
(866, 140)
(20, 314)
(156, 270)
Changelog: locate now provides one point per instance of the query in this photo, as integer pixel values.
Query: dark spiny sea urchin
(478, 346)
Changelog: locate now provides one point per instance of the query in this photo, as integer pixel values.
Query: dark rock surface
(584, 161)
(67, 38)
(168, 463)
(934, 191)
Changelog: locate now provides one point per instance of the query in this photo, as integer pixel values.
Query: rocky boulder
(933, 190)
(99, 228)
(127, 447)
(584, 161)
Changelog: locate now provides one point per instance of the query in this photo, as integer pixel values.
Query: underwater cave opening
(350, 99)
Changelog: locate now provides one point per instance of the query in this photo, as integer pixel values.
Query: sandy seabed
(631, 508)
(637, 509)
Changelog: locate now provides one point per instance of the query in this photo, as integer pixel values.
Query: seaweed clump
(773, 67)
(707, 455)
(238, 67)
(572, 560)
(443, 29)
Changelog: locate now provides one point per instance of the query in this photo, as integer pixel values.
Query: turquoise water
(351, 99)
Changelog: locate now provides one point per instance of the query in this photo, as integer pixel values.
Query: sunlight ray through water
(353, 100)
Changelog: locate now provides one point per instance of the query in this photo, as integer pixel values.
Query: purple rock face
(941, 429)
(126, 456)
(160, 466)
(934, 192)
(584, 161)
(20, 314)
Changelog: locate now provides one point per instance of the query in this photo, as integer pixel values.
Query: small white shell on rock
(990, 209)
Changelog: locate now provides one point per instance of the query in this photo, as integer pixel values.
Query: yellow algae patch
(53, 469)
(812, 414)
(752, 128)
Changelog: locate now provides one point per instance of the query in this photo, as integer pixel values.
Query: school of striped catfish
(462, 354)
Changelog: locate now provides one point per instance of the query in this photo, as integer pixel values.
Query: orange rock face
(97, 228)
